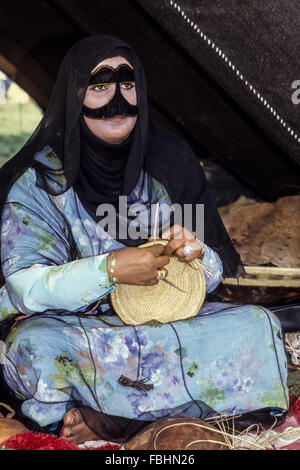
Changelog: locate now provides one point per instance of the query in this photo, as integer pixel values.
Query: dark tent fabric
(251, 50)
(220, 74)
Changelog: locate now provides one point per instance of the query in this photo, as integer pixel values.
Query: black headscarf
(162, 154)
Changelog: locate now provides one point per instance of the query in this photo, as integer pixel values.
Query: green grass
(19, 116)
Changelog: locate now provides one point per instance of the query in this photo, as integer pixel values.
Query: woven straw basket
(162, 303)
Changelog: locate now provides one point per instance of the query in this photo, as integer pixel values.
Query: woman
(72, 358)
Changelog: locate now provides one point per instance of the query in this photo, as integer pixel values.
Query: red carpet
(30, 440)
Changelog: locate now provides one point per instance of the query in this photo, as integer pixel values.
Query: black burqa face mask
(112, 80)
(154, 148)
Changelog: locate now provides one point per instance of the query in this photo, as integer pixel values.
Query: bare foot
(75, 430)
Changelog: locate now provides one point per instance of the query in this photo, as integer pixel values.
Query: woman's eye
(99, 88)
(127, 85)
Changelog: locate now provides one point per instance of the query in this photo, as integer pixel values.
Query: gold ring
(161, 273)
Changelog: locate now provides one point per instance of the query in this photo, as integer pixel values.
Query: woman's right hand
(139, 266)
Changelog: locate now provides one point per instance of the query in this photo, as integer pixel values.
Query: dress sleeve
(213, 268)
(38, 267)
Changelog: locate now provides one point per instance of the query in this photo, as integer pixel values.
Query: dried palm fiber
(293, 380)
(266, 232)
(184, 433)
(292, 347)
(9, 427)
(177, 434)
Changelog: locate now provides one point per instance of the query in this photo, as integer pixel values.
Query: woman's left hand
(179, 237)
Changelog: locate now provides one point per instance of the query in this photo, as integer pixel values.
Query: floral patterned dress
(228, 359)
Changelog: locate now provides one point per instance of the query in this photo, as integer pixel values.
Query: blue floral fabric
(228, 359)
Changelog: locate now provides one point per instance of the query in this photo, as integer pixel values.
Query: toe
(72, 417)
(77, 416)
(66, 432)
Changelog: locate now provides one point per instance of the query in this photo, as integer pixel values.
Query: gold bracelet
(111, 263)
